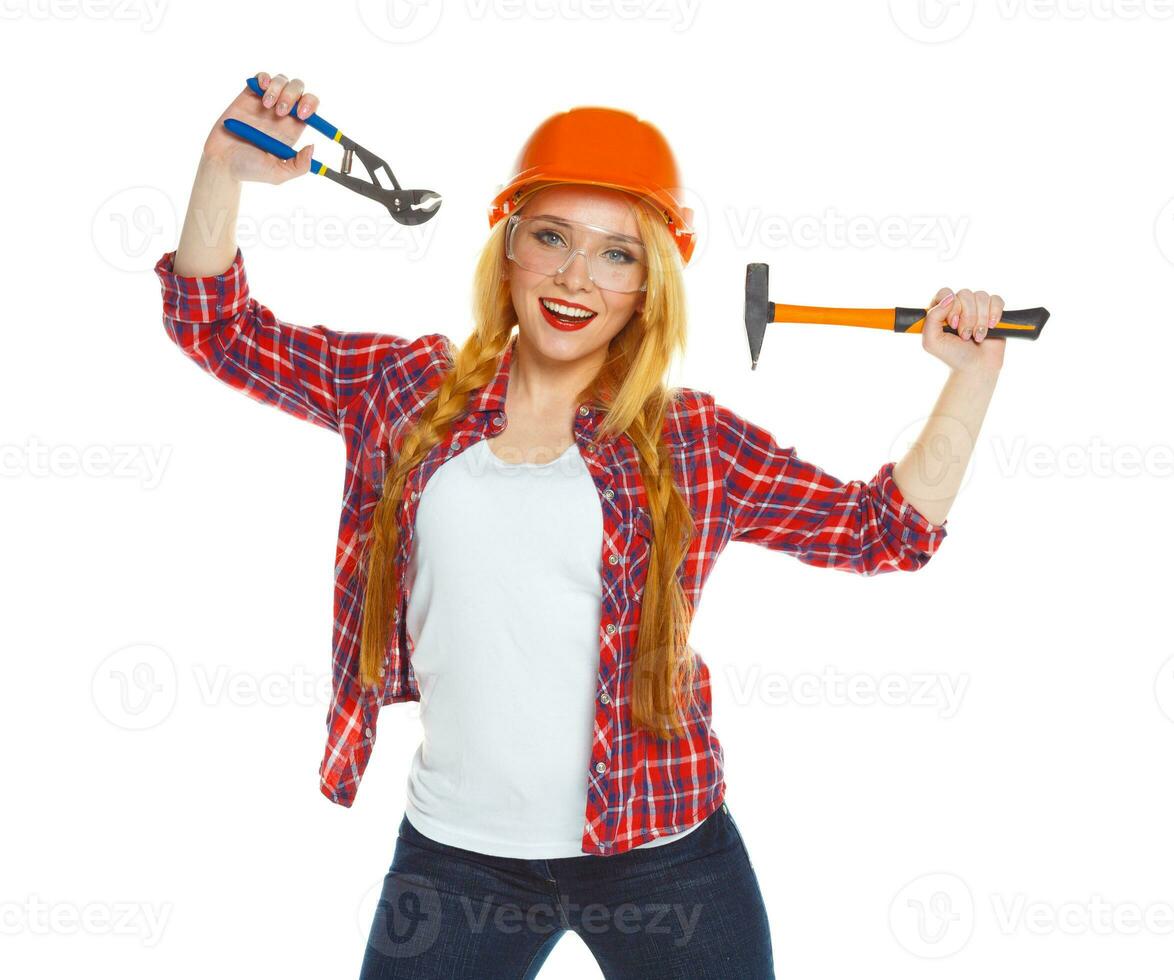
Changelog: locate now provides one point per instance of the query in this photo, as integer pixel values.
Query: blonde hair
(630, 386)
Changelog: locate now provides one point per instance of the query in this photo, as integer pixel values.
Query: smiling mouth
(565, 316)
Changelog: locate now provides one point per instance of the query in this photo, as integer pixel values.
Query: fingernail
(954, 321)
(282, 107)
(980, 333)
(992, 321)
(947, 299)
(268, 101)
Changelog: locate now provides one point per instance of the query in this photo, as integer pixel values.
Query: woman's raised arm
(207, 242)
(778, 500)
(311, 372)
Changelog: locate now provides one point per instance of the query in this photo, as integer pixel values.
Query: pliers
(408, 207)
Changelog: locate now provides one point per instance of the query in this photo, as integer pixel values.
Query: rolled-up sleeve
(774, 498)
(311, 372)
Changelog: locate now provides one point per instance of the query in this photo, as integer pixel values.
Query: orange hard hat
(607, 148)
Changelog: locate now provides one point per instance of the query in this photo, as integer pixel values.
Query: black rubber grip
(1034, 319)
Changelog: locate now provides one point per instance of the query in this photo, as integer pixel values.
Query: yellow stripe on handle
(919, 324)
(881, 319)
(322, 168)
(337, 136)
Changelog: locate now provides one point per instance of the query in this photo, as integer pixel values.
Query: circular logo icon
(400, 21)
(135, 687)
(133, 227)
(933, 916)
(400, 915)
(937, 457)
(931, 21)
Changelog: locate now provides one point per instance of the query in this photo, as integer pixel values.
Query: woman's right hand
(270, 114)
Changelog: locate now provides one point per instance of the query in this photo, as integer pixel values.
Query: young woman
(527, 526)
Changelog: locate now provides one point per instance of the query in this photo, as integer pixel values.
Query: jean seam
(566, 922)
(738, 834)
(530, 961)
(533, 956)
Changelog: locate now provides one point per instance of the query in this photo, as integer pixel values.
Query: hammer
(1025, 324)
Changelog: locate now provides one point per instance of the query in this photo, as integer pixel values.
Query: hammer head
(759, 309)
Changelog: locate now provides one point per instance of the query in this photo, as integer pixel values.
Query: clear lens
(546, 246)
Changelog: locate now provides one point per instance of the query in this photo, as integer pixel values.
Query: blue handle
(313, 119)
(268, 143)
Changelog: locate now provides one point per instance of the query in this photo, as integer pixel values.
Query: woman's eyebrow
(563, 221)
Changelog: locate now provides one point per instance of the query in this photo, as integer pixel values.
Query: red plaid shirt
(740, 485)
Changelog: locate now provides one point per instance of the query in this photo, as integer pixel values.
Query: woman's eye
(542, 237)
(624, 257)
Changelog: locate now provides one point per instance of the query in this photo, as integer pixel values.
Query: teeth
(567, 310)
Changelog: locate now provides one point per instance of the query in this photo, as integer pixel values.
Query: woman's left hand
(971, 313)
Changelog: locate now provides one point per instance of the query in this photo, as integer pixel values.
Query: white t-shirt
(504, 619)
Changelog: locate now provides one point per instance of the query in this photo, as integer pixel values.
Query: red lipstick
(563, 322)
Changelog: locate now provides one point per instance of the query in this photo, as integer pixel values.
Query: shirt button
(613, 558)
(415, 494)
(590, 447)
(367, 732)
(601, 767)
(584, 410)
(610, 628)
(609, 493)
(604, 699)
(498, 419)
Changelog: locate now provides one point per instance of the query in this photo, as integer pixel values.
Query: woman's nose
(572, 272)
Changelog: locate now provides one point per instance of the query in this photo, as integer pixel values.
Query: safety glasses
(547, 244)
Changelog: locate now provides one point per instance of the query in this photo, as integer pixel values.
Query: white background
(168, 543)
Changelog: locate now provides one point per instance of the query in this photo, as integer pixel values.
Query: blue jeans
(689, 910)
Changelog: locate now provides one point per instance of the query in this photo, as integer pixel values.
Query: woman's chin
(561, 345)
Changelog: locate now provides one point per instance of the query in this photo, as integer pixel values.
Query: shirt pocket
(641, 550)
(373, 467)
(376, 453)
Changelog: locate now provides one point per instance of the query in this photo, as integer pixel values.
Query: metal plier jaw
(408, 207)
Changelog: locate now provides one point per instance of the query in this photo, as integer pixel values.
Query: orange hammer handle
(880, 319)
(1024, 324)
